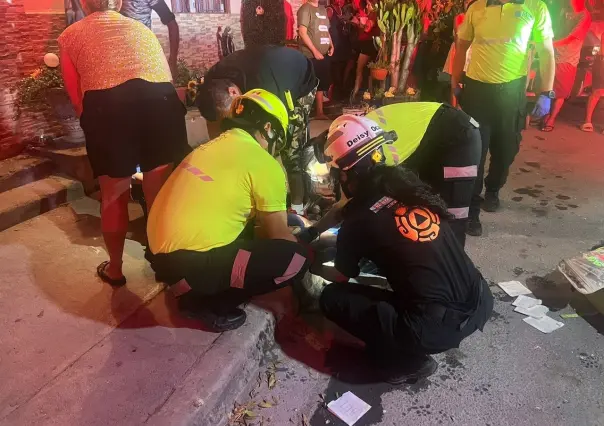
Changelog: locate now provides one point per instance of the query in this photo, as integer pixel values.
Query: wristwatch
(549, 94)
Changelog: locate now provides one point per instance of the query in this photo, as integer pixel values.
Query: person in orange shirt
(119, 82)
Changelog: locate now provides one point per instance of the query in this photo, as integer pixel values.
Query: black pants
(230, 275)
(393, 334)
(447, 159)
(500, 109)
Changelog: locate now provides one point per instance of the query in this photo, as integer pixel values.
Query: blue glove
(542, 108)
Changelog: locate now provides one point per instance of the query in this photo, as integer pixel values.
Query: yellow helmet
(267, 102)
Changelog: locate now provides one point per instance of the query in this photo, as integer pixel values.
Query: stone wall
(24, 39)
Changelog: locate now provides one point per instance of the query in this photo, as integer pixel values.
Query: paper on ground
(514, 288)
(349, 408)
(536, 311)
(526, 302)
(544, 324)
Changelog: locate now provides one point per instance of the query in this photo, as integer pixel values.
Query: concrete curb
(211, 387)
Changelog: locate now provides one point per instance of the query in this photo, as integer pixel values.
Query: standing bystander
(316, 44)
(597, 85)
(499, 32)
(141, 10)
(568, 51)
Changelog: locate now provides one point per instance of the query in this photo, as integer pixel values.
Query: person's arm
(169, 20)
(273, 226)
(71, 79)
(543, 36)
(331, 46)
(349, 252)
(268, 186)
(578, 33)
(465, 35)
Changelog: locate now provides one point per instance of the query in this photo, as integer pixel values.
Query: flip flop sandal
(547, 128)
(587, 127)
(114, 282)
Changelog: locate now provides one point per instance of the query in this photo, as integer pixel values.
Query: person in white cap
(393, 219)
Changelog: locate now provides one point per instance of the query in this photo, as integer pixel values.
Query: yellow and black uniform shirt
(213, 193)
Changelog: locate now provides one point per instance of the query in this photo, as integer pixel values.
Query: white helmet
(351, 138)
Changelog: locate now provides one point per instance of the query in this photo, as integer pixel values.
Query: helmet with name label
(352, 138)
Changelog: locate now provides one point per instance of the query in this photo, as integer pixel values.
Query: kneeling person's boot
(214, 316)
(409, 370)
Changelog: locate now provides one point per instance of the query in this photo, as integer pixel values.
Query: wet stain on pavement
(573, 206)
(518, 271)
(533, 164)
(483, 389)
(496, 317)
(561, 207)
(517, 198)
(539, 186)
(562, 197)
(539, 212)
(543, 203)
(531, 192)
(589, 361)
(523, 170)
(541, 138)
(559, 177)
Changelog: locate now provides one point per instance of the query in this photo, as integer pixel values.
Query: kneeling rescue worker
(393, 219)
(439, 143)
(199, 226)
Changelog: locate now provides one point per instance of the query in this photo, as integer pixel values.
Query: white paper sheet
(537, 311)
(544, 324)
(349, 408)
(514, 288)
(526, 302)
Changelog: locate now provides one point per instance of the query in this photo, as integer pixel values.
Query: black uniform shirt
(273, 68)
(415, 249)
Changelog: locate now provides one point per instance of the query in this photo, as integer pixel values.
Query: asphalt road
(511, 374)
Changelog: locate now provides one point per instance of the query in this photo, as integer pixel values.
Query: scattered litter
(526, 302)
(544, 324)
(349, 408)
(585, 272)
(537, 311)
(514, 288)
(567, 316)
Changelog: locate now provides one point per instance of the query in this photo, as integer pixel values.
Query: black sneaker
(491, 202)
(214, 320)
(474, 228)
(411, 372)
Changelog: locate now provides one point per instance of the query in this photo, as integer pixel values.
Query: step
(23, 169)
(77, 352)
(28, 201)
(71, 161)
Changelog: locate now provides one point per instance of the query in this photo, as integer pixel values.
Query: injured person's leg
(369, 314)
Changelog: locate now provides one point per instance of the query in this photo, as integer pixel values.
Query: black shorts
(322, 72)
(598, 73)
(367, 47)
(135, 123)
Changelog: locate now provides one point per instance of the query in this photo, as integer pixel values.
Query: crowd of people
(411, 174)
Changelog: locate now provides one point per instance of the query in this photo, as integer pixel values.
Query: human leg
(592, 102)
(563, 86)
(225, 277)
(369, 314)
(474, 98)
(505, 139)
(115, 194)
(361, 64)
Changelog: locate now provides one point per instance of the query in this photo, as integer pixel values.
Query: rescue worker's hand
(542, 107)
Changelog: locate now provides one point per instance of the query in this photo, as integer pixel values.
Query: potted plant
(44, 88)
(379, 69)
(186, 80)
